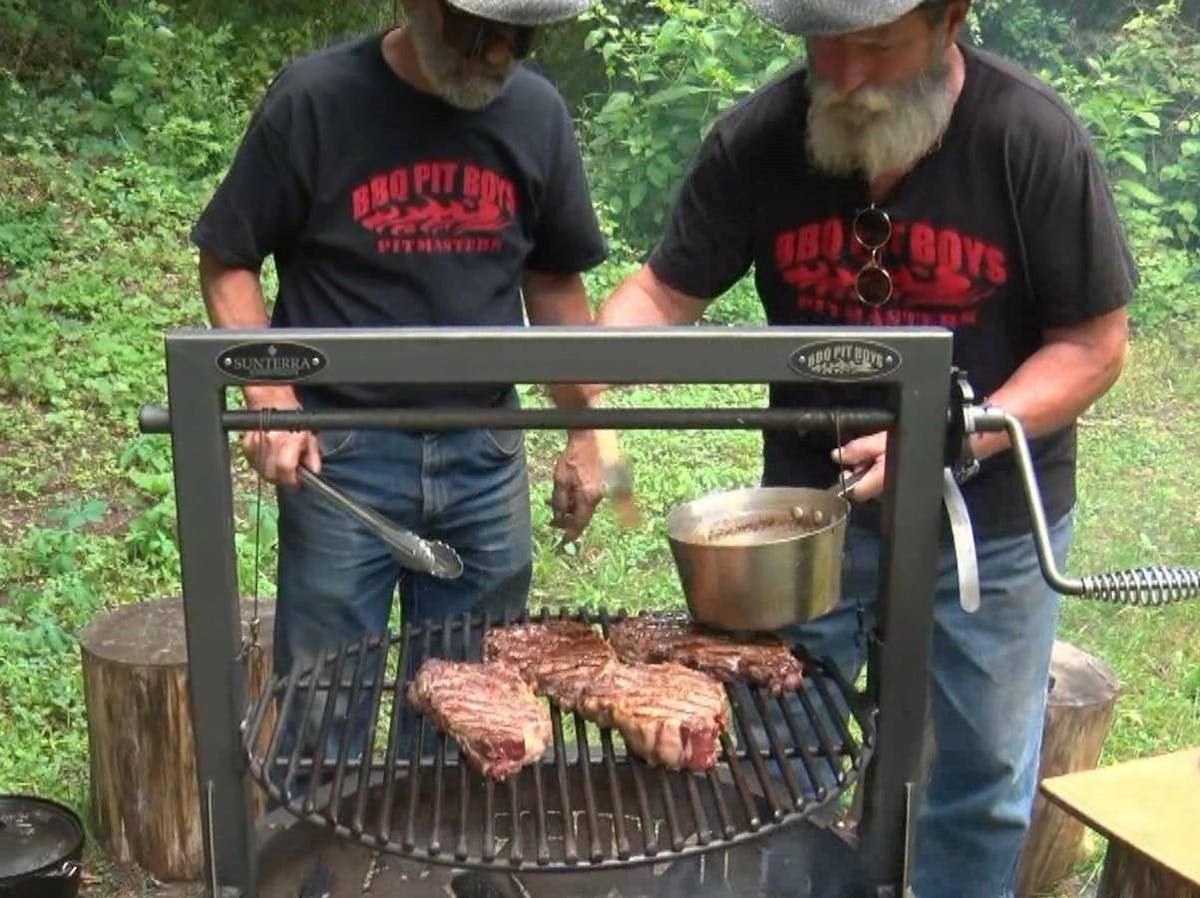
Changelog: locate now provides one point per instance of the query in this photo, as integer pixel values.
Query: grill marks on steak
(762, 660)
(667, 714)
(558, 658)
(654, 683)
(498, 722)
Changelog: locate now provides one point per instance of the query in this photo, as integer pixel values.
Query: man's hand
(276, 454)
(233, 298)
(869, 454)
(578, 484)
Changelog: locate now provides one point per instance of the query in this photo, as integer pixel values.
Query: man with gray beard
(903, 178)
(421, 177)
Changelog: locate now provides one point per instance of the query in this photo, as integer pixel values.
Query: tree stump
(1079, 714)
(1130, 874)
(144, 792)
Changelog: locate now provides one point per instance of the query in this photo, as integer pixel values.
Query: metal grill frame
(401, 773)
(914, 402)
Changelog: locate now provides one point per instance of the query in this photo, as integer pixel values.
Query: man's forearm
(233, 297)
(1060, 381)
(561, 299)
(642, 300)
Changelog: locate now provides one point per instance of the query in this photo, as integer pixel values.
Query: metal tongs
(425, 556)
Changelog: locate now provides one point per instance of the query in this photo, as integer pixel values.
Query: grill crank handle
(1147, 586)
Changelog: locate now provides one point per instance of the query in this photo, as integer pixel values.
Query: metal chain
(837, 435)
(860, 636)
(255, 621)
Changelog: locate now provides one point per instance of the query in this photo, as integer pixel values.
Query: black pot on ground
(41, 848)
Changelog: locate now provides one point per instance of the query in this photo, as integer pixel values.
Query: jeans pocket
(334, 443)
(505, 443)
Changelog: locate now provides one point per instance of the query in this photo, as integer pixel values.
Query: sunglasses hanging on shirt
(873, 230)
(471, 35)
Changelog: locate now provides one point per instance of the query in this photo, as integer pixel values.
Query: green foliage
(42, 39)
(1137, 97)
(56, 573)
(667, 78)
(1030, 33)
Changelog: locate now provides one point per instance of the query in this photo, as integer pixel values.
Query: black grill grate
(588, 803)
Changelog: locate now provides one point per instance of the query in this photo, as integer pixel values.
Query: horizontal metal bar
(505, 355)
(157, 419)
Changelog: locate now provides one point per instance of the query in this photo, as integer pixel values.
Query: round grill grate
(588, 803)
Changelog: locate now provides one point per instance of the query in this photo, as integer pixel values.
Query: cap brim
(524, 12)
(819, 18)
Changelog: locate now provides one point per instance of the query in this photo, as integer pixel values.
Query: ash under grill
(587, 804)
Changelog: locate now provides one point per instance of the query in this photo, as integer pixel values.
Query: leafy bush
(1029, 33)
(668, 76)
(46, 40)
(1137, 97)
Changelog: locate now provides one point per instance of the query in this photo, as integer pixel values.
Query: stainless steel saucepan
(761, 558)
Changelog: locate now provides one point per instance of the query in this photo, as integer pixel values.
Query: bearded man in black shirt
(420, 177)
(903, 178)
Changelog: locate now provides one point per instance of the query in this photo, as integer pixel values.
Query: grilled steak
(762, 660)
(498, 722)
(558, 658)
(669, 715)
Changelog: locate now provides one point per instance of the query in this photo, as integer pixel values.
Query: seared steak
(669, 715)
(491, 712)
(558, 658)
(762, 660)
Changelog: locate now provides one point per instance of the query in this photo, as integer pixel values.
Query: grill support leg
(203, 485)
(898, 664)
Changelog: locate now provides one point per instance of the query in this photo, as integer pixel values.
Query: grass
(1138, 481)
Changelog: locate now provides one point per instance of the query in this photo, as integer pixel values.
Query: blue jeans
(988, 683)
(337, 579)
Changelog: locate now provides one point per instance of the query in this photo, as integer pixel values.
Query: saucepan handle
(844, 487)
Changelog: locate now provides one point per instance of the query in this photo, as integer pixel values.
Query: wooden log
(1130, 874)
(144, 793)
(1079, 715)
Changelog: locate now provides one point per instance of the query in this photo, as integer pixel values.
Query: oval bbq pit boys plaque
(845, 361)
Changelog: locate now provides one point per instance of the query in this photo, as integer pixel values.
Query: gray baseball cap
(524, 12)
(826, 17)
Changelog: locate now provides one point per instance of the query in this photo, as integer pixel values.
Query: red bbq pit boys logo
(436, 207)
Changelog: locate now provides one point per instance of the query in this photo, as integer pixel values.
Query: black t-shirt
(1007, 229)
(385, 206)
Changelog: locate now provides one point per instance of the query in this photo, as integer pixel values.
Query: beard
(878, 130)
(448, 70)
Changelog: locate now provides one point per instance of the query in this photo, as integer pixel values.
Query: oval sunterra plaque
(271, 361)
